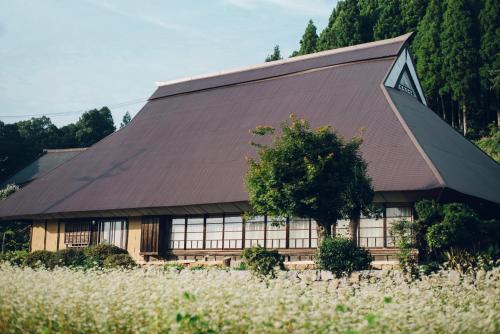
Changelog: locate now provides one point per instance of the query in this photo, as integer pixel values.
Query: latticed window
(177, 233)
(299, 233)
(77, 233)
(393, 215)
(276, 233)
(113, 232)
(194, 233)
(255, 231)
(215, 227)
(233, 232)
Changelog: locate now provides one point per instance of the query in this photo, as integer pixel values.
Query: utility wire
(63, 113)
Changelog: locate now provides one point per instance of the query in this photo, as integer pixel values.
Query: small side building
(170, 185)
(45, 163)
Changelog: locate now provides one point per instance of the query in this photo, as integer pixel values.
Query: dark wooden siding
(153, 231)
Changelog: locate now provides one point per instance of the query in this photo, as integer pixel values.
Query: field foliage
(218, 301)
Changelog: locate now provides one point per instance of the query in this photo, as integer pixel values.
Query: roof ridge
(412, 137)
(288, 60)
(58, 150)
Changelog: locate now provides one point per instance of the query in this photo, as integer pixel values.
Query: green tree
(309, 39)
(126, 119)
(427, 48)
(94, 125)
(276, 55)
(389, 23)
(15, 151)
(348, 25)
(460, 60)
(308, 173)
(40, 132)
(68, 136)
(490, 55)
(14, 235)
(491, 144)
(413, 11)
(327, 39)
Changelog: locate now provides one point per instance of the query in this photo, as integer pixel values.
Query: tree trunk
(498, 118)
(324, 230)
(464, 115)
(459, 117)
(443, 109)
(353, 229)
(453, 114)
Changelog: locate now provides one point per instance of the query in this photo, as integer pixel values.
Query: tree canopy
(307, 172)
(126, 119)
(276, 55)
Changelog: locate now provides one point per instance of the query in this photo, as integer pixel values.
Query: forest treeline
(24, 141)
(456, 49)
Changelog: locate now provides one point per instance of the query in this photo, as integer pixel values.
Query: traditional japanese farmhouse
(170, 183)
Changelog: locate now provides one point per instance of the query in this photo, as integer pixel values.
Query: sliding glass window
(393, 215)
(215, 229)
(255, 231)
(194, 233)
(233, 232)
(112, 232)
(299, 233)
(276, 232)
(178, 233)
(314, 234)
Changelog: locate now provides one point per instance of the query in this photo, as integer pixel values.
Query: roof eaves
(413, 139)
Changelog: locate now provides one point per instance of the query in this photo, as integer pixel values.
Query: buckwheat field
(218, 301)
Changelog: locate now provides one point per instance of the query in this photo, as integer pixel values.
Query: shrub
(70, 257)
(119, 261)
(95, 255)
(16, 258)
(40, 259)
(342, 256)
(262, 262)
(173, 265)
(403, 232)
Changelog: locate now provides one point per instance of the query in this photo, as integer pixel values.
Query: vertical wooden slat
(265, 231)
(204, 243)
(243, 233)
(45, 237)
(58, 233)
(385, 225)
(287, 233)
(310, 233)
(223, 229)
(185, 231)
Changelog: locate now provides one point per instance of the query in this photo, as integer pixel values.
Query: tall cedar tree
(327, 39)
(460, 55)
(427, 48)
(308, 173)
(490, 56)
(309, 39)
(389, 23)
(347, 27)
(413, 11)
(276, 55)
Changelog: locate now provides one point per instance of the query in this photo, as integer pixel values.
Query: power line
(63, 113)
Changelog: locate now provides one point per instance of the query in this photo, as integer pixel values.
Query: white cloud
(148, 19)
(312, 7)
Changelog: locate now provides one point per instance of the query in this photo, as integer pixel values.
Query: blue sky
(70, 56)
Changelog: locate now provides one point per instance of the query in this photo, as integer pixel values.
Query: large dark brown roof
(187, 146)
